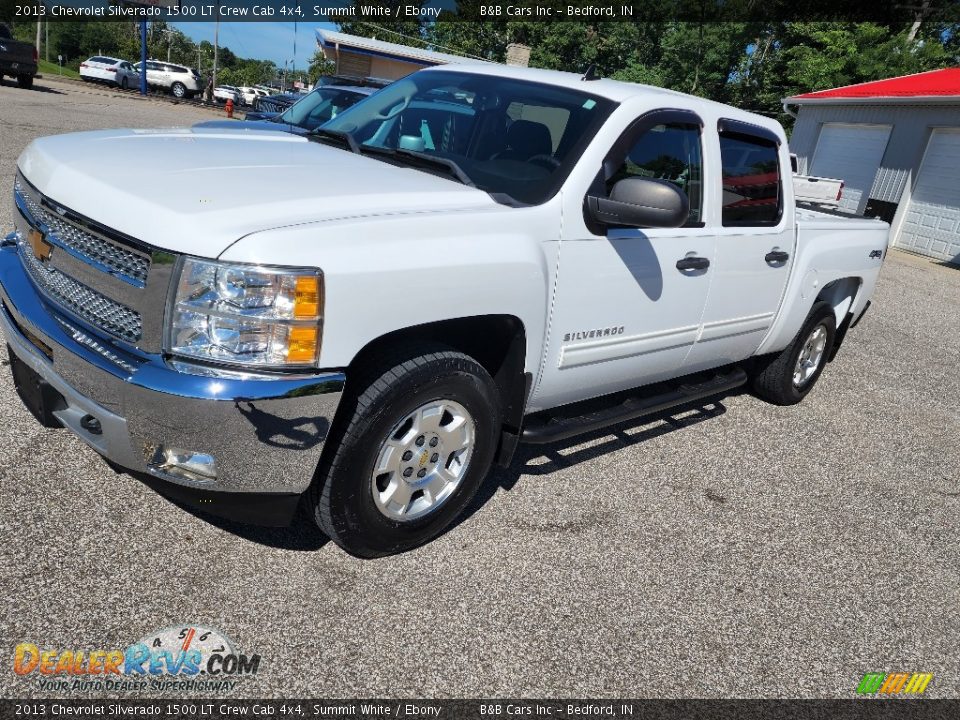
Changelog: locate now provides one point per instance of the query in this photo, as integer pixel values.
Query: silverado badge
(41, 248)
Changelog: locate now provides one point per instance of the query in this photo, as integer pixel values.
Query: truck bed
(827, 217)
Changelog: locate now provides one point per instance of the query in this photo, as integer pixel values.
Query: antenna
(590, 74)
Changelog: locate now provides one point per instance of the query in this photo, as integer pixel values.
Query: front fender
(386, 273)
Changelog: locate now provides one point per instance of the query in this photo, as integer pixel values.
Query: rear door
(755, 246)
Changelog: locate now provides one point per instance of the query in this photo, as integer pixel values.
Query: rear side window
(751, 180)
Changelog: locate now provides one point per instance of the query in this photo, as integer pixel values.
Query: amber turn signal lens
(302, 344)
(306, 302)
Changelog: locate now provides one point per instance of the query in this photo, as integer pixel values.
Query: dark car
(281, 101)
(266, 108)
(17, 59)
(312, 111)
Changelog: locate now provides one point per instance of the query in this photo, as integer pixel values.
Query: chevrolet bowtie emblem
(41, 248)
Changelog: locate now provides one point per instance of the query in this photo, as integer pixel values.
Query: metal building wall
(911, 132)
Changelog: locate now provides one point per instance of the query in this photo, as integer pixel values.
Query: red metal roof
(942, 83)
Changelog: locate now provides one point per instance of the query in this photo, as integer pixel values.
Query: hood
(257, 115)
(259, 125)
(199, 191)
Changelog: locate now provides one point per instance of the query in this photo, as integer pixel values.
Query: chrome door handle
(693, 263)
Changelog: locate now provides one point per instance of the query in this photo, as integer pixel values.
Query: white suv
(178, 79)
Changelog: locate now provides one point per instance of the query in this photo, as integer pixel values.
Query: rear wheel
(179, 90)
(25, 81)
(123, 83)
(787, 377)
(418, 442)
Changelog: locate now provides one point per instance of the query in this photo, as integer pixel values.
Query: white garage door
(931, 224)
(851, 153)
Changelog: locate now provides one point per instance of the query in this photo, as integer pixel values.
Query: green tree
(319, 66)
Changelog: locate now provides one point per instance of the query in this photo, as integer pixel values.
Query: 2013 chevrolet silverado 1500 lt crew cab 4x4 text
(366, 318)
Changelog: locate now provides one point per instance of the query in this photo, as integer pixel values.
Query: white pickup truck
(366, 318)
(813, 190)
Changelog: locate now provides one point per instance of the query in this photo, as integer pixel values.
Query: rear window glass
(751, 180)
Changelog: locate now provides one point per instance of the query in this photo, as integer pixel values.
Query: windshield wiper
(340, 135)
(423, 160)
(450, 165)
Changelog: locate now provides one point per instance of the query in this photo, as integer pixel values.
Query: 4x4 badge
(41, 248)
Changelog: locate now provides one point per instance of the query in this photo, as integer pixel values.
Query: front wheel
(787, 377)
(418, 442)
(179, 90)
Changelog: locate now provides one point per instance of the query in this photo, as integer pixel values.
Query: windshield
(319, 106)
(512, 138)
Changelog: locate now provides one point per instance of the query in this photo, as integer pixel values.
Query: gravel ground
(743, 550)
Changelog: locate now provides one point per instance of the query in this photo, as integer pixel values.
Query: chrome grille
(84, 302)
(90, 247)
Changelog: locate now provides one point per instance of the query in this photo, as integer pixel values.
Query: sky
(261, 40)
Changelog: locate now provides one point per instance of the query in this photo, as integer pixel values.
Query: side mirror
(641, 202)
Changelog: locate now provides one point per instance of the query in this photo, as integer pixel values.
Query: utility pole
(143, 57)
(216, 42)
(39, 23)
(46, 40)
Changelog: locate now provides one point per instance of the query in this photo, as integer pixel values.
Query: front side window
(751, 180)
(517, 140)
(671, 152)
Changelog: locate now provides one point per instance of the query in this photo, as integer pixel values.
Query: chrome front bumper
(266, 433)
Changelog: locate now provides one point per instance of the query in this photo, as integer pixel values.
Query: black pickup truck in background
(17, 59)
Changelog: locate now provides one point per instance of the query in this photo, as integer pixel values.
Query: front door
(625, 314)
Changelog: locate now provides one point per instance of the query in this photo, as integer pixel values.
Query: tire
(178, 89)
(123, 83)
(355, 507)
(780, 379)
(25, 81)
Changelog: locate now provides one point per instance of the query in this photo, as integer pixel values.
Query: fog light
(188, 464)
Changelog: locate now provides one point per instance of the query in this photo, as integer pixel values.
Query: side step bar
(633, 407)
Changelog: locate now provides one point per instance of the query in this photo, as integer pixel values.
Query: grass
(49, 68)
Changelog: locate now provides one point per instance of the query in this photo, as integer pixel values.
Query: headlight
(247, 314)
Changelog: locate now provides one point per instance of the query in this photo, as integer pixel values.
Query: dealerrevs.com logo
(894, 683)
(183, 657)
